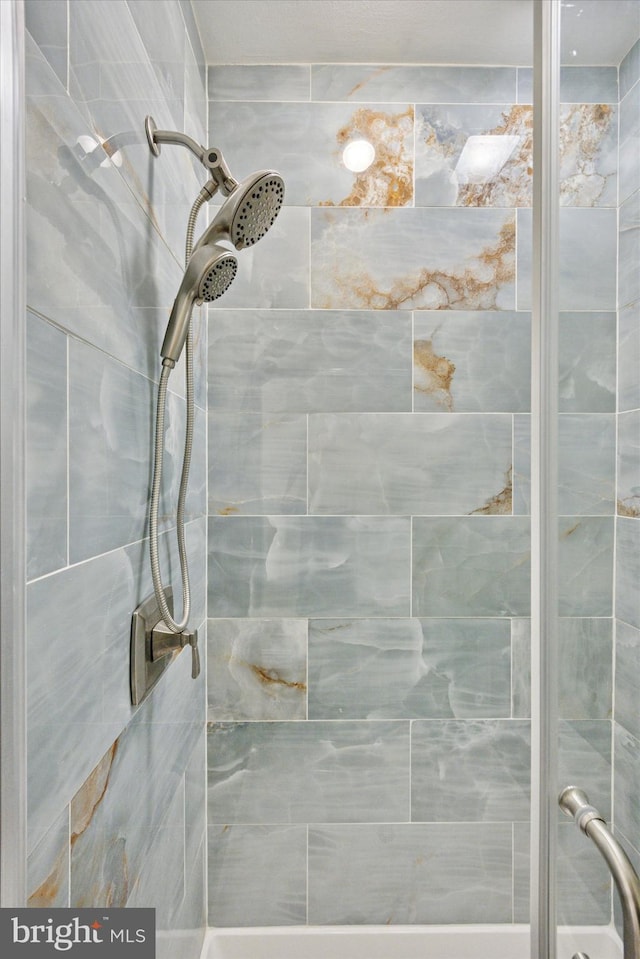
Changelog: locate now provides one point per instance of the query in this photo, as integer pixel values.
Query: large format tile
(440, 668)
(304, 143)
(588, 249)
(409, 463)
(257, 463)
(588, 155)
(627, 654)
(628, 571)
(309, 361)
(470, 770)
(308, 772)
(47, 448)
(629, 464)
(309, 566)
(477, 362)
(444, 259)
(471, 566)
(257, 669)
(584, 668)
(257, 875)
(393, 874)
(415, 84)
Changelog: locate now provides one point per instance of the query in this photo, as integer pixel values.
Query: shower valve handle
(164, 641)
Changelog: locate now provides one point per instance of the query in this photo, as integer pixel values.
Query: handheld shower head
(248, 212)
(210, 272)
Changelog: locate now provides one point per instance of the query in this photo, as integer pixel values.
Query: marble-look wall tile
(99, 267)
(115, 84)
(78, 691)
(414, 873)
(587, 361)
(393, 83)
(626, 786)
(627, 654)
(471, 566)
(413, 259)
(290, 81)
(409, 463)
(630, 114)
(628, 571)
(583, 879)
(143, 769)
(629, 251)
(46, 21)
(257, 875)
(588, 155)
(630, 69)
(441, 668)
(47, 451)
(310, 361)
(584, 759)
(586, 464)
(629, 463)
(110, 414)
(585, 561)
(470, 770)
(577, 85)
(304, 142)
(629, 357)
(588, 248)
(476, 362)
(274, 274)
(256, 669)
(309, 566)
(584, 670)
(48, 867)
(634, 856)
(161, 881)
(258, 463)
(522, 464)
(629, 174)
(299, 772)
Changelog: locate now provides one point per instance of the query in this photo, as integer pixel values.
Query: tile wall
(116, 794)
(627, 651)
(369, 499)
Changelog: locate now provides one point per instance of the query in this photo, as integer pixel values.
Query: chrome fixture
(247, 214)
(574, 802)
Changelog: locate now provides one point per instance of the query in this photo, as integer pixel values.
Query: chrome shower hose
(176, 626)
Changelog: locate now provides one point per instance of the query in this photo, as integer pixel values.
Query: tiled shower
(359, 508)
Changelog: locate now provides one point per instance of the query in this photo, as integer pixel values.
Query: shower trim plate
(144, 671)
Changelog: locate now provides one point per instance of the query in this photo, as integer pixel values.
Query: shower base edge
(402, 942)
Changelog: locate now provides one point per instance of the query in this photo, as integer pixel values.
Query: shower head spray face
(248, 212)
(209, 274)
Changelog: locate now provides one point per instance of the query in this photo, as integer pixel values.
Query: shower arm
(210, 157)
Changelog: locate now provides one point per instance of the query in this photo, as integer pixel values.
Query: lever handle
(195, 655)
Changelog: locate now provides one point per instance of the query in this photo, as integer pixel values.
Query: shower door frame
(13, 764)
(544, 476)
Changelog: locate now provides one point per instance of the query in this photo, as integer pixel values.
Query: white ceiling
(408, 31)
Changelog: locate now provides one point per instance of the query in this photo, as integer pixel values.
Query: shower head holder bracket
(210, 157)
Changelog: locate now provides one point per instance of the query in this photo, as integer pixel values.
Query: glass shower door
(596, 464)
